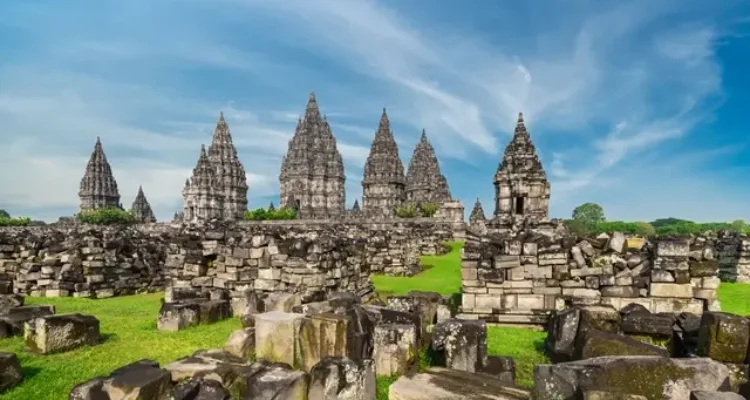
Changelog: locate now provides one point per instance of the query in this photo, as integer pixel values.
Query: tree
(589, 214)
(4, 214)
(738, 225)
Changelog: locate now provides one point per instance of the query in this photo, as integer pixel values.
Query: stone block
(10, 371)
(394, 348)
(241, 342)
(213, 311)
(340, 378)
(277, 336)
(446, 384)
(272, 382)
(463, 344)
(673, 290)
(595, 343)
(724, 337)
(59, 333)
(176, 316)
(672, 248)
(282, 302)
(321, 336)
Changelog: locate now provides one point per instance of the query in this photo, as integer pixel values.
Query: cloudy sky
(641, 106)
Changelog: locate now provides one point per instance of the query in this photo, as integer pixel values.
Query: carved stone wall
(304, 257)
(523, 277)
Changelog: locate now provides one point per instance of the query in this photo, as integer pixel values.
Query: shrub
(14, 221)
(407, 211)
(261, 214)
(428, 209)
(106, 216)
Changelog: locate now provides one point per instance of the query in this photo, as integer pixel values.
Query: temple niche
(98, 187)
(312, 179)
(522, 190)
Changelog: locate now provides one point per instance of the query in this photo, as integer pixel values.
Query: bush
(14, 221)
(407, 211)
(106, 216)
(262, 214)
(428, 209)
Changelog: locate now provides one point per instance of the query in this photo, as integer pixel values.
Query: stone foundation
(304, 257)
(520, 279)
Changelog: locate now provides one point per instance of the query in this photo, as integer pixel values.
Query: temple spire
(98, 188)
(141, 209)
(477, 213)
(424, 181)
(383, 181)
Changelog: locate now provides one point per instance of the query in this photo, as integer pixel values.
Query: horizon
(638, 107)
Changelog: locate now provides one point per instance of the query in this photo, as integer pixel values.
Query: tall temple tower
(98, 186)
(312, 176)
(218, 187)
(424, 182)
(521, 188)
(222, 155)
(141, 209)
(203, 194)
(383, 183)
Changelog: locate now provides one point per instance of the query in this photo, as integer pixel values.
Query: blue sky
(640, 106)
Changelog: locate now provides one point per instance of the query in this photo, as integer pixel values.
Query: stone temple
(383, 184)
(424, 181)
(522, 190)
(98, 186)
(141, 209)
(218, 187)
(312, 178)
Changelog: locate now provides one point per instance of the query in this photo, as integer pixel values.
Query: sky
(639, 106)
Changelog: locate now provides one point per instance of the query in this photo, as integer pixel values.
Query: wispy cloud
(608, 90)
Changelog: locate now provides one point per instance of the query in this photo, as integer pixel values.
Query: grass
(443, 275)
(128, 325)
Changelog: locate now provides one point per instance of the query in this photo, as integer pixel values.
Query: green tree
(589, 214)
(4, 214)
(738, 225)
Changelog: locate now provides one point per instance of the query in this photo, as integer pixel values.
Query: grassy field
(128, 325)
(129, 329)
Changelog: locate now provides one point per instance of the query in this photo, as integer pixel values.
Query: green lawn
(129, 327)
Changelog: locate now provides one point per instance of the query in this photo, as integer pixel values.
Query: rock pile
(331, 349)
(665, 352)
(521, 279)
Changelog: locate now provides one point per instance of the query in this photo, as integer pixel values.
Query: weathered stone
(10, 371)
(446, 384)
(463, 344)
(656, 377)
(339, 378)
(563, 330)
(724, 337)
(176, 316)
(241, 342)
(277, 336)
(200, 389)
(395, 348)
(604, 395)
(321, 336)
(706, 395)
(595, 343)
(272, 382)
(59, 333)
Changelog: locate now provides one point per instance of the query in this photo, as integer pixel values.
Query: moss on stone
(659, 341)
(646, 379)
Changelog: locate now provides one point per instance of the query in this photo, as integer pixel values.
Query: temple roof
(383, 163)
(477, 213)
(520, 157)
(98, 179)
(424, 170)
(141, 209)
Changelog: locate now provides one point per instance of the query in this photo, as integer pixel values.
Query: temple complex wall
(307, 257)
(523, 277)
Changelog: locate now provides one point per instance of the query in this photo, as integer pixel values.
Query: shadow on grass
(539, 346)
(106, 337)
(30, 372)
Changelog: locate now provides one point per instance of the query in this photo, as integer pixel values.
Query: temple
(98, 186)
(217, 189)
(383, 182)
(312, 178)
(522, 191)
(141, 209)
(424, 181)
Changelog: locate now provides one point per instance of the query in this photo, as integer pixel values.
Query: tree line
(589, 219)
